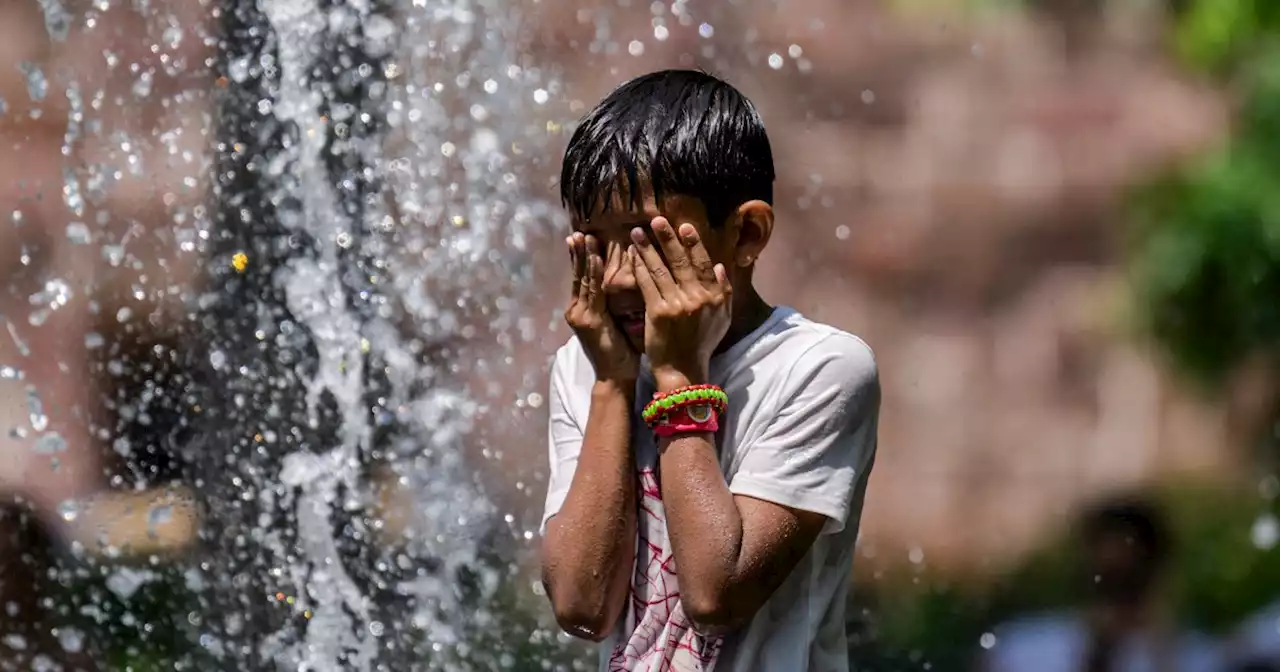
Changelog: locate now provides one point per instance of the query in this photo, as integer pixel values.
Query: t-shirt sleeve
(818, 442)
(564, 439)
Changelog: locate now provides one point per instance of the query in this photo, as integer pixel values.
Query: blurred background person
(1124, 624)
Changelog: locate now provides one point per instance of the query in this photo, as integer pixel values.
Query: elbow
(579, 617)
(581, 623)
(712, 615)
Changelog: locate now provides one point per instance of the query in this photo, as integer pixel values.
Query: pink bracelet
(688, 419)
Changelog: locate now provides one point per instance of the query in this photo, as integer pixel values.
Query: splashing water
(371, 237)
(364, 253)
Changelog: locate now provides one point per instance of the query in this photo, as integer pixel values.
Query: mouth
(632, 322)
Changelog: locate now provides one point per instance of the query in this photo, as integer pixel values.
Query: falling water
(370, 241)
(364, 251)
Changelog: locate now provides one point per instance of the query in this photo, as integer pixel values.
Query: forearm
(703, 523)
(588, 551)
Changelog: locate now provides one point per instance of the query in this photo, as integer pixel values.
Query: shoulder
(814, 352)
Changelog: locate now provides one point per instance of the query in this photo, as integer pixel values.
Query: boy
(681, 532)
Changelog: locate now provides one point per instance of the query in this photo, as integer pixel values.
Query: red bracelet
(688, 419)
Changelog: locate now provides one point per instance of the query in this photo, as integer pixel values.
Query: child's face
(612, 230)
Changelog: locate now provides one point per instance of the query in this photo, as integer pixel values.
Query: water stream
(371, 237)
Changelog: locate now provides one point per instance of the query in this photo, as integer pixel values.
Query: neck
(749, 312)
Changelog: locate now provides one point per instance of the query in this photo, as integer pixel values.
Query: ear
(754, 224)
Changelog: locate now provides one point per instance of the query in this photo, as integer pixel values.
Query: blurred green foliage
(1206, 254)
(1220, 35)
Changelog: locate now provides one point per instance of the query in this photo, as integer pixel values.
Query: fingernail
(637, 236)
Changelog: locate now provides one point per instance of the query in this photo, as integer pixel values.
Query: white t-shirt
(800, 431)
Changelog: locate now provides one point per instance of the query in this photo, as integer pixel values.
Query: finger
(722, 280)
(580, 253)
(573, 266)
(699, 259)
(644, 280)
(676, 256)
(595, 275)
(580, 268)
(646, 255)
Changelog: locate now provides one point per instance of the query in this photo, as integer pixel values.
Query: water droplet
(114, 254)
(50, 443)
(842, 232)
(79, 234)
(37, 85)
(142, 87)
(987, 640)
(1265, 532)
(158, 516)
(916, 555)
(69, 510)
(172, 36)
(795, 51)
(70, 639)
(217, 359)
(125, 581)
(706, 30)
(56, 20)
(540, 96)
(35, 410)
(868, 96)
(775, 61)
(635, 48)
(56, 293)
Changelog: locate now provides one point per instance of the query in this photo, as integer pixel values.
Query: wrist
(615, 387)
(670, 378)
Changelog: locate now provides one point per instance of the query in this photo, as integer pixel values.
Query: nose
(618, 276)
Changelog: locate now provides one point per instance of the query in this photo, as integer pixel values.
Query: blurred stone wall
(949, 189)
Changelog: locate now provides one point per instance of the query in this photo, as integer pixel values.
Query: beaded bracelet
(665, 403)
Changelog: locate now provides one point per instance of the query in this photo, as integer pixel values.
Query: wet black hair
(685, 132)
(1135, 519)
